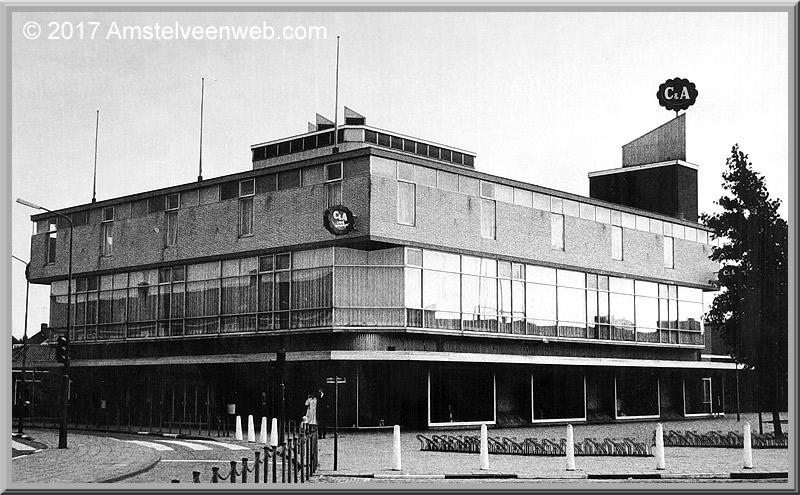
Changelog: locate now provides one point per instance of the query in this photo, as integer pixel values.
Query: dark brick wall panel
(282, 218)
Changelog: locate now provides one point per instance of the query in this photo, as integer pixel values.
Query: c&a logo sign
(338, 220)
(677, 94)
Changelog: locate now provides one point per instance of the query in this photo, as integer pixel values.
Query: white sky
(540, 97)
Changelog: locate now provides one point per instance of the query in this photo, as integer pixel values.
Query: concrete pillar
(239, 435)
(748, 446)
(484, 448)
(659, 449)
(251, 429)
(570, 448)
(262, 436)
(396, 456)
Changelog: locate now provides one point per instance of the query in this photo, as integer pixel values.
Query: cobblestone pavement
(88, 459)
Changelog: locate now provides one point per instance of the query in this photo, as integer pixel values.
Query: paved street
(366, 457)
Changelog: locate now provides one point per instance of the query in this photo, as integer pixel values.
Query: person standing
(311, 410)
(322, 411)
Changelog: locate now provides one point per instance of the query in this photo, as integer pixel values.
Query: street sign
(336, 379)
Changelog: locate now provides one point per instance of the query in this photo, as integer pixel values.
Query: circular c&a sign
(338, 220)
(677, 94)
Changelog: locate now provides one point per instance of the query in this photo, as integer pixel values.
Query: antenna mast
(202, 98)
(336, 110)
(94, 179)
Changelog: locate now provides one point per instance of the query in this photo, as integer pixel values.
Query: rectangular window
(246, 192)
(51, 241)
(171, 220)
(616, 242)
(557, 231)
(488, 219)
(333, 184)
(245, 217)
(406, 203)
(107, 231)
(669, 252)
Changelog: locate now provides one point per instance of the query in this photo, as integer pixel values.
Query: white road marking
(188, 445)
(21, 446)
(231, 446)
(152, 445)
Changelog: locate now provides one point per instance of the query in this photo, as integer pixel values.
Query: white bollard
(251, 429)
(262, 436)
(659, 450)
(396, 459)
(748, 446)
(570, 449)
(273, 439)
(239, 428)
(484, 448)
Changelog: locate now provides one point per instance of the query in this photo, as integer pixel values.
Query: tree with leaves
(751, 309)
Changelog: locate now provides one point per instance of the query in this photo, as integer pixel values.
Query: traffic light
(61, 350)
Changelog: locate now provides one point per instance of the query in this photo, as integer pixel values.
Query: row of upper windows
(494, 192)
(404, 172)
(288, 179)
(315, 141)
(406, 215)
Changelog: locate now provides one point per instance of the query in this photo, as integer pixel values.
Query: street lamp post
(23, 406)
(62, 431)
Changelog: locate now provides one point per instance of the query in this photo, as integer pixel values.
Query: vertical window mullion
(669, 252)
(557, 231)
(616, 243)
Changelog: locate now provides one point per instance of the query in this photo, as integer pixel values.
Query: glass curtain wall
(499, 296)
(385, 288)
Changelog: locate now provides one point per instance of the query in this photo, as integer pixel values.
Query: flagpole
(336, 110)
(202, 98)
(94, 180)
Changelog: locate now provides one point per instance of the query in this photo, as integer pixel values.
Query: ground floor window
(558, 393)
(637, 393)
(461, 395)
(702, 396)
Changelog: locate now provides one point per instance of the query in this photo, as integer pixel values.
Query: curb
(759, 475)
(755, 475)
(131, 474)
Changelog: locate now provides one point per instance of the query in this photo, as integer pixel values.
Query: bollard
(273, 439)
(195, 476)
(239, 428)
(244, 469)
(484, 448)
(251, 429)
(570, 449)
(215, 474)
(262, 437)
(396, 458)
(659, 452)
(257, 465)
(748, 446)
(233, 471)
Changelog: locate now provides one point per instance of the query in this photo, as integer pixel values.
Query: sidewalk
(369, 454)
(88, 459)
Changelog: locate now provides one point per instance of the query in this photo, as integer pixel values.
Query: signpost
(335, 381)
